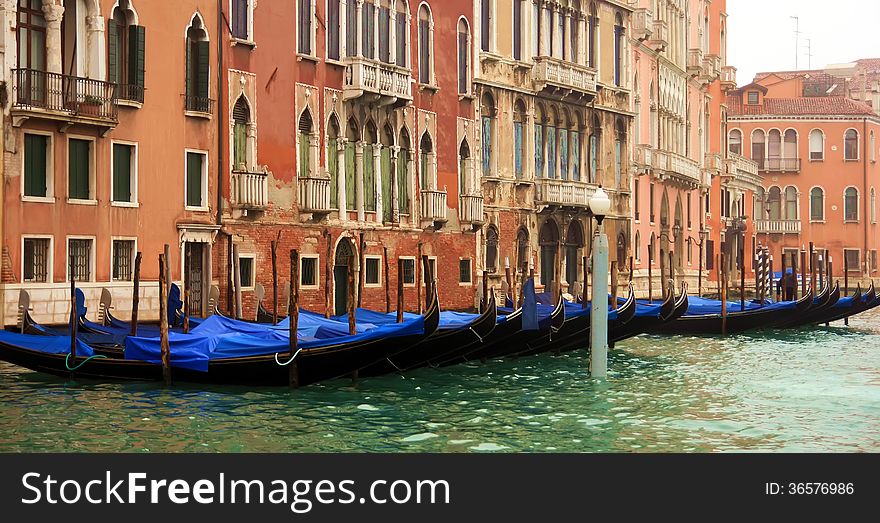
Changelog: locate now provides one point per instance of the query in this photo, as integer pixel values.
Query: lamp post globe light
(600, 204)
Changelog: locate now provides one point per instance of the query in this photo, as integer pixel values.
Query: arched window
(851, 145)
(551, 143)
(304, 138)
(197, 67)
(791, 203)
(487, 113)
(758, 147)
(651, 252)
(464, 163)
(595, 140)
(519, 124)
(486, 24)
(402, 33)
(371, 149)
(638, 247)
(817, 144)
(758, 211)
(817, 204)
(305, 27)
(574, 147)
(873, 145)
(873, 206)
(574, 242)
(385, 181)
(125, 54)
(563, 147)
(790, 148)
(734, 141)
(464, 53)
(241, 118)
(774, 149)
(385, 31)
(549, 241)
(522, 249)
(775, 200)
(592, 35)
(851, 204)
(619, 39)
(619, 153)
(426, 157)
(539, 142)
(351, 28)
(353, 135)
(333, 26)
(403, 172)
(492, 249)
(333, 160)
(426, 45)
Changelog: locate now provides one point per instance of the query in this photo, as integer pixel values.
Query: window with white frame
(432, 263)
(196, 180)
(817, 145)
(426, 45)
(852, 260)
(817, 204)
(734, 141)
(305, 34)
(80, 256)
(486, 24)
(308, 271)
(851, 145)
(124, 173)
(372, 274)
(242, 16)
(333, 26)
(122, 259)
(80, 164)
(873, 206)
(246, 270)
(37, 172)
(464, 271)
(464, 54)
(851, 204)
(409, 271)
(36, 259)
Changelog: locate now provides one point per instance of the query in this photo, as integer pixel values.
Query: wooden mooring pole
(400, 290)
(74, 314)
(163, 319)
(293, 318)
(136, 295)
(352, 267)
(273, 252)
(387, 284)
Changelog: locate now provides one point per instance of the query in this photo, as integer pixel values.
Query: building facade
(109, 149)
(818, 156)
(357, 144)
(553, 84)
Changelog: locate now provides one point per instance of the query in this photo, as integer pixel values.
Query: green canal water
(806, 390)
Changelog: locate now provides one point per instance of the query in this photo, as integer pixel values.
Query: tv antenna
(796, 33)
(809, 54)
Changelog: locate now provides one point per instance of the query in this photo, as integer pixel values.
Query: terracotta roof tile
(803, 106)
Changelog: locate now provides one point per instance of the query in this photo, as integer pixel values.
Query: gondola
(648, 317)
(849, 306)
(822, 308)
(575, 332)
(315, 361)
(439, 344)
(765, 317)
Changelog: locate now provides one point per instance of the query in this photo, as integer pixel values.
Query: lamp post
(599, 205)
(704, 234)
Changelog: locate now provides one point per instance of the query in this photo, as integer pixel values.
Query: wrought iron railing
(61, 93)
(199, 104)
(130, 92)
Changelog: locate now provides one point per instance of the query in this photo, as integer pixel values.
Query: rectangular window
(402, 29)
(464, 271)
(384, 34)
(351, 28)
(333, 26)
(124, 159)
(575, 147)
(689, 210)
(368, 24)
(551, 152)
(463, 84)
(198, 66)
(240, 16)
(710, 255)
(485, 24)
(424, 51)
(409, 271)
(36, 165)
(79, 259)
(790, 259)
(246, 270)
(304, 40)
(651, 202)
(196, 177)
(308, 272)
(636, 199)
(35, 263)
(123, 259)
(852, 260)
(517, 29)
(539, 151)
(432, 263)
(753, 97)
(518, 149)
(79, 160)
(371, 271)
(874, 260)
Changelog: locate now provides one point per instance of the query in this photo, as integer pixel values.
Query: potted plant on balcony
(90, 106)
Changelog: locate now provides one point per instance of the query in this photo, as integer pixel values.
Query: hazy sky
(761, 34)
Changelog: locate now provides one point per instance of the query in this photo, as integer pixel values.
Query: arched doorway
(621, 253)
(344, 251)
(549, 241)
(574, 241)
(678, 235)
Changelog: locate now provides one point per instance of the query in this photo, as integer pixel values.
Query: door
(344, 252)
(194, 264)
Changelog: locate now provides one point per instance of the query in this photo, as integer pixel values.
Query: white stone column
(343, 30)
(544, 41)
(360, 45)
(377, 180)
(359, 179)
(341, 177)
(395, 197)
(53, 14)
(96, 66)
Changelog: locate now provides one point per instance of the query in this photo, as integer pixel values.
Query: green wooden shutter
(35, 149)
(332, 167)
(137, 54)
(303, 155)
(423, 168)
(121, 173)
(403, 181)
(369, 180)
(78, 169)
(194, 179)
(203, 63)
(385, 163)
(350, 188)
(239, 145)
(112, 52)
(190, 73)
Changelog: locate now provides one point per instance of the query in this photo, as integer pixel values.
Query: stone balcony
(433, 206)
(563, 193)
(659, 36)
(70, 100)
(711, 66)
(778, 226)
(643, 23)
(558, 77)
(695, 62)
(714, 163)
(783, 165)
(676, 168)
(742, 172)
(470, 209)
(314, 195)
(250, 190)
(379, 82)
(728, 78)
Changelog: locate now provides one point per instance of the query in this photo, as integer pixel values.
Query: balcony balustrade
(711, 66)
(433, 206)
(778, 226)
(470, 209)
(553, 74)
(250, 190)
(314, 195)
(643, 23)
(383, 82)
(695, 62)
(779, 164)
(660, 35)
(564, 193)
(55, 96)
(728, 77)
